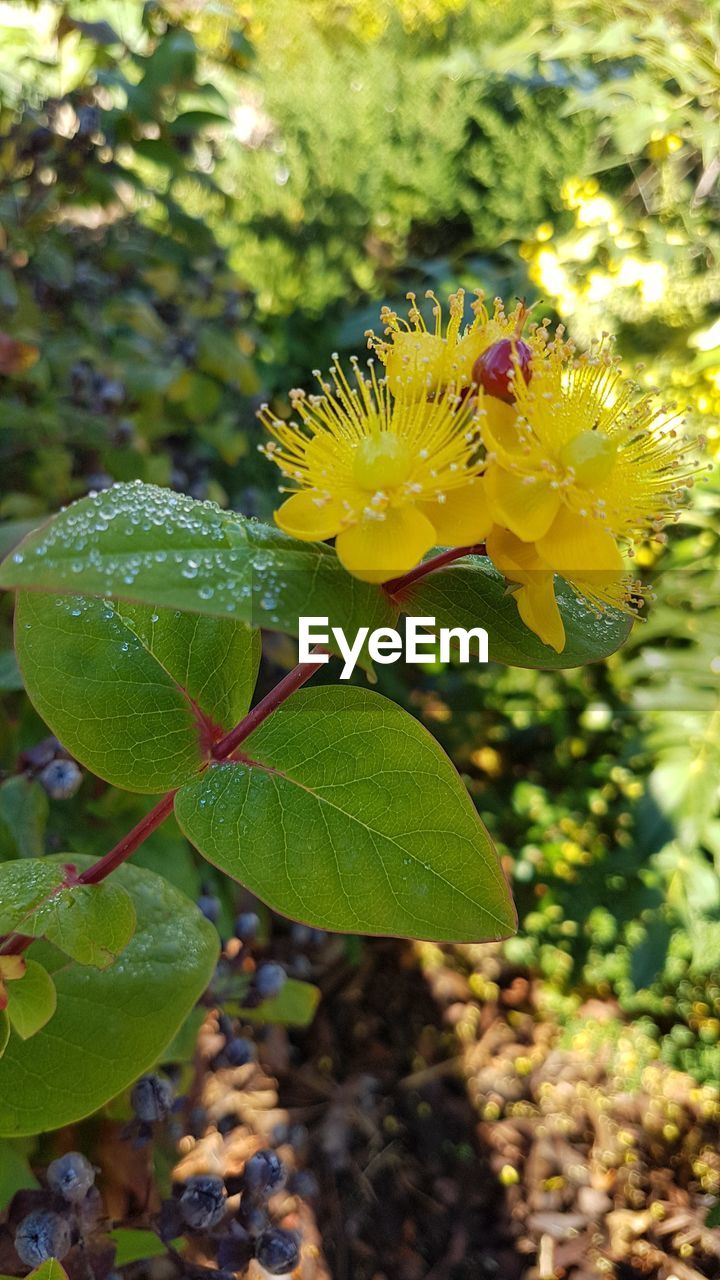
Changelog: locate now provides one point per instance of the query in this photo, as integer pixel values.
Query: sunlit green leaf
(136, 694)
(346, 814)
(140, 543)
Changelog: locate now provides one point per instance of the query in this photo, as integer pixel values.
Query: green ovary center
(382, 462)
(591, 456)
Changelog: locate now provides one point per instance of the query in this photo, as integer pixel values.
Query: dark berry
(202, 1203)
(171, 1223)
(495, 369)
(61, 779)
(41, 754)
(247, 925)
(239, 1051)
(278, 1251)
(151, 1098)
(71, 1176)
(40, 1236)
(210, 907)
(269, 980)
(252, 1217)
(264, 1173)
(236, 1250)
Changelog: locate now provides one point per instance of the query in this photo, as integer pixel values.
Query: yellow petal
(577, 546)
(462, 519)
(310, 516)
(515, 559)
(538, 609)
(526, 505)
(499, 428)
(377, 550)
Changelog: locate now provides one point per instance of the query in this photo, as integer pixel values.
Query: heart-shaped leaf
(471, 593)
(112, 1025)
(136, 694)
(346, 814)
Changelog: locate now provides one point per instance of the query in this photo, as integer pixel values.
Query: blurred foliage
(198, 203)
(642, 257)
(138, 338)
(351, 178)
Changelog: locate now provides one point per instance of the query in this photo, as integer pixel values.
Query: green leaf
(472, 593)
(15, 1174)
(138, 695)
(138, 542)
(346, 814)
(50, 1270)
(113, 1025)
(91, 923)
(24, 811)
(295, 1006)
(135, 1246)
(32, 1000)
(4, 1031)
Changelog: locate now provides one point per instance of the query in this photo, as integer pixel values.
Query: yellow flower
(388, 479)
(534, 589)
(416, 359)
(578, 466)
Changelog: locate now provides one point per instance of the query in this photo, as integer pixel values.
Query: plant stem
(396, 585)
(129, 843)
(294, 680)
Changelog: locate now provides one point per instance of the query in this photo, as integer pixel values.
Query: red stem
(294, 680)
(16, 943)
(129, 843)
(396, 585)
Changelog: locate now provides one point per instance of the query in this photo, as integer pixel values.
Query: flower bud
(495, 369)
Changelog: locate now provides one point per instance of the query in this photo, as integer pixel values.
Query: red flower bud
(495, 368)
